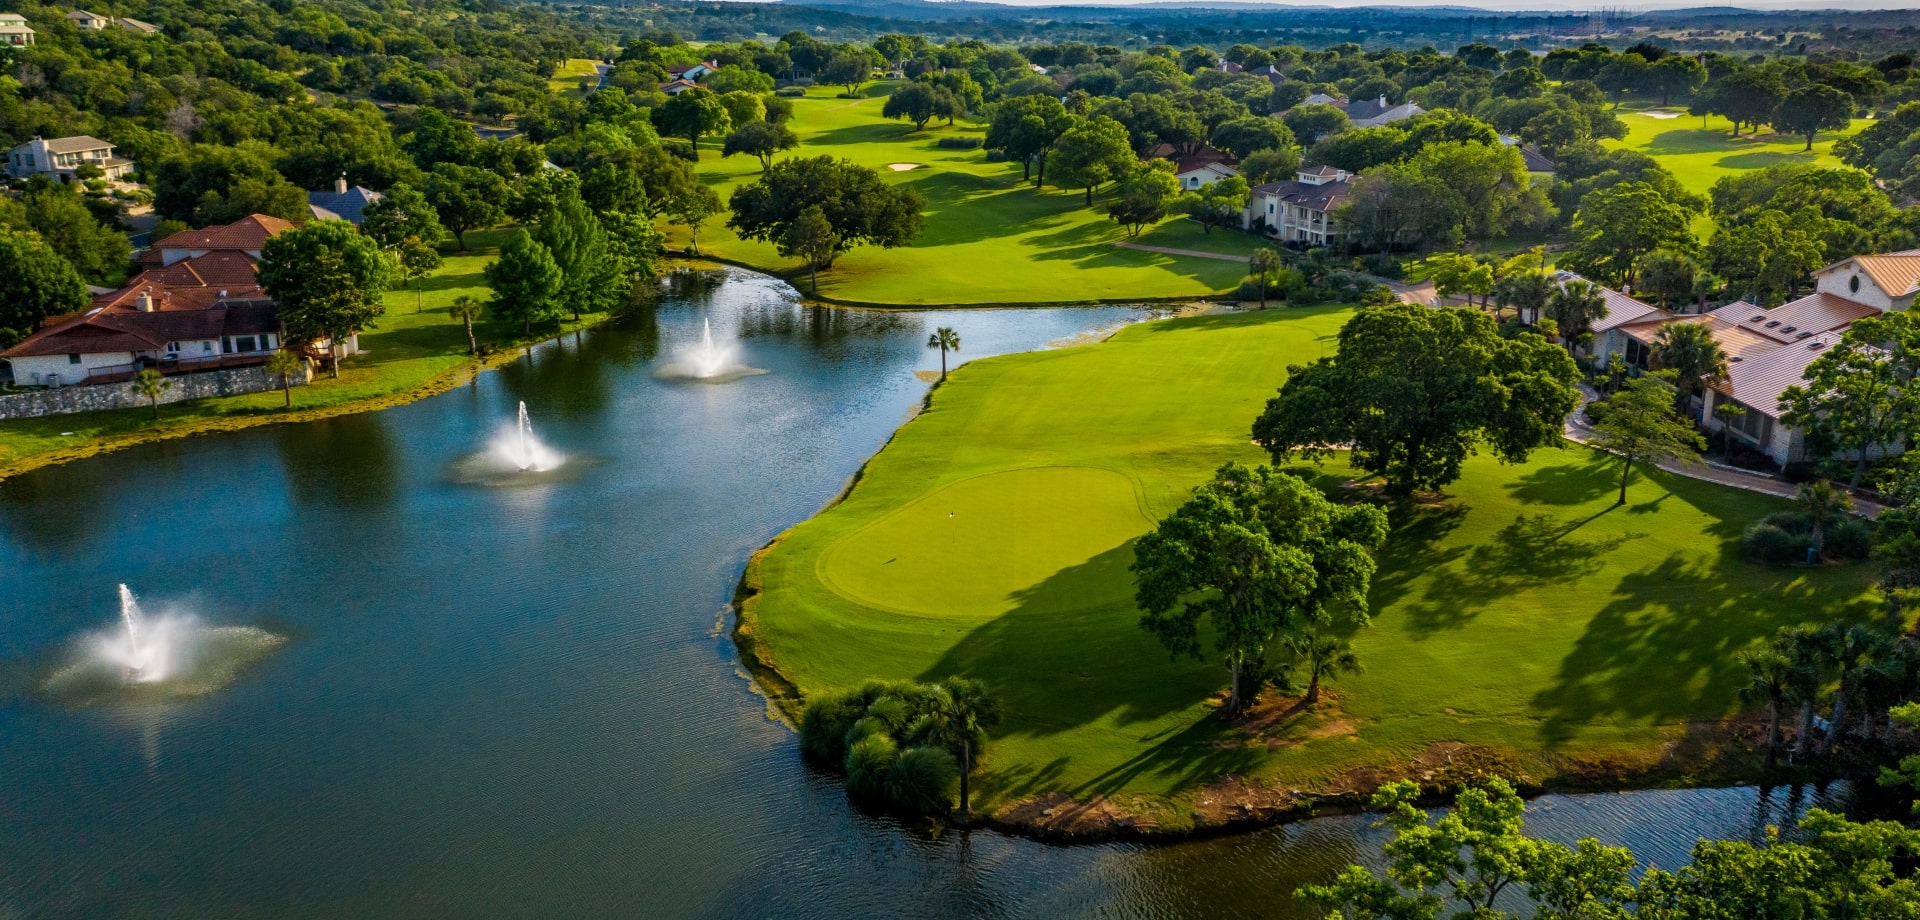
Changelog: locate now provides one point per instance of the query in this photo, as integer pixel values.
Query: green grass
(407, 351)
(574, 76)
(1699, 152)
(1523, 613)
(988, 237)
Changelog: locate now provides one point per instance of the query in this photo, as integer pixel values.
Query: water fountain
(173, 654)
(524, 452)
(706, 362)
(515, 457)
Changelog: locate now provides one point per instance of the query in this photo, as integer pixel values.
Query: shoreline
(814, 299)
(433, 386)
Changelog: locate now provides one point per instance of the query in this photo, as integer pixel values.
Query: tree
(1859, 392)
(1262, 264)
(404, 223)
(958, 715)
(574, 238)
(1456, 273)
(743, 108)
(1640, 424)
(1490, 178)
(1092, 152)
(150, 384)
(1852, 653)
(1322, 657)
(1141, 199)
(1694, 356)
(633, 243)
(1667, 277)
(691, 205)
(1728, 413)
(466, 198)
(1677, 73)
(328, 281)
(98, 252)
(1263, 556)
(914, 101)
(1575, 306)
(1415, 389)
(526, 282)
(849, 69)
(1766, 255)
(1616, 226)
(858, 204)
(691, 114)
(35, 283)
(1025, 128)
(1811, 109)
(945, 339)
(1244, 137)
(761, 139)
(1770, 679)
(811, 238)
(1218, 203)
(1821, 502)
(467, 309)
(1310, 123)
(284, 364)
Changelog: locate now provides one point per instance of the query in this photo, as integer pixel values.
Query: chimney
(340, 184)
(144, 303)
(1383, 100)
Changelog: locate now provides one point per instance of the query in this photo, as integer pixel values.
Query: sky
(1515, 5)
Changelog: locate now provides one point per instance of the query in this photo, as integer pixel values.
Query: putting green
(1009, 531)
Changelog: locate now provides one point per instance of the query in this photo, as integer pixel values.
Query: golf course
(988, 237)
(1522, 619)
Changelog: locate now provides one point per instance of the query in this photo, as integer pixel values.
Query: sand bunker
(1659, 114)
(902, 167)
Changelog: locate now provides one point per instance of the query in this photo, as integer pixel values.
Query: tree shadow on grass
(1573, 483)
(1190, 757)
(1534, 551)
(1662, 650)
(1059, 663)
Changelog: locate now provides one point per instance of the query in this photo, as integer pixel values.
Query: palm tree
(1728, 413)
(467, 309)
(1805, 648)
(945, 339)
(286, 364)
(1692, 353)
(1262, 264)
(1526, 292)
(1770, 677)
(1853, 652)
(1575, 306)
(151, 385)
(960, 712)
(1822, 503)
(1324, 657)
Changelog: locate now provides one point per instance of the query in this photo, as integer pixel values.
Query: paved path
(1194, 253)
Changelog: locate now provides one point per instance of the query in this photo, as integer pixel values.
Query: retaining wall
(98, 397)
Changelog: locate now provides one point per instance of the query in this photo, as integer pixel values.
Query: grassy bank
(989, 238)
(1524, 619)
(416, 347)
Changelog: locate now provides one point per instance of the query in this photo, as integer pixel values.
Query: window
(1637, 354)
(245, 343)
(73, 359)
(1853, 284)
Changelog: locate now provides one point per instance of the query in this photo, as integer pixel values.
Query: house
(1536, 161)
(691, 71)
(62, 155)
(1300, 210)
(1768, 350)
(1376, 112)
(343, 202)
(677, 87)
(245, 236)
(138, 27)
(1227, 66)
(1193, 174)
(14, 31)
(86, 20)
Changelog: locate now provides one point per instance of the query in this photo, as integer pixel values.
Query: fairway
(1524, 613)
(988, 237)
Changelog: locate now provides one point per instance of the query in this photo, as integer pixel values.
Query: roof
(1338, 102)
(1322, 170)
(1186, 165)
(1165, 151)
(1897, 273)
(79, 143)
(1323, 197)
(347, 206)
(1621, 309)
(247, 234)
(136, 25)
(1757, 380)
(116, 329)
(78, 15)
(1535, 160)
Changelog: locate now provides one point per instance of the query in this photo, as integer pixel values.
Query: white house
(14, 31)
(1202, 174)
(86, 20)
(1301, 210)
(677, 87)
(62, 155)
(692, 71)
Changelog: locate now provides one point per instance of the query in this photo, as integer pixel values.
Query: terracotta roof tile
(247, 233)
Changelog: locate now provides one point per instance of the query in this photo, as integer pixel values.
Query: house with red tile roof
(196, 306)
(1768, 350)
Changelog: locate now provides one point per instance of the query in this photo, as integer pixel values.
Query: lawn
(1524, 613)
(415, 344)
(574, 76)
(1700, 151)
(988, 237)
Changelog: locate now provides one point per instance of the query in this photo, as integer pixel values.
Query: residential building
(138, 27)
(1193, 174)
(1375, 113)
(343, 202)
(62, 155)
(245, 236)
(14, 30)
(86, 20)
(1536, 161)
(1299, 211)
(677, 87)
(1767, 350)
(692, 71)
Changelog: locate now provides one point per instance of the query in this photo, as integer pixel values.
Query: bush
(884, 736)
(960, 143)
(1848, 538)
(1770, 543)
(1595, 411)
(791, 92)
(922, 780)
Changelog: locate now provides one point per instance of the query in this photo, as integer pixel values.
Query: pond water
(520, 698)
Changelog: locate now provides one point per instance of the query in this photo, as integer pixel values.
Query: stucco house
(1299, 210)
(62, 155)
(86, 20)
(1768, 350)
(677, 87)
(1193, 175)
(14, 30)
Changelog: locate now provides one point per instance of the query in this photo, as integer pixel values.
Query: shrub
(1770, 543)
(1848, 538)
(922, 780)
(887, 737)
(1595, 411)
(870, 762)
(960, 143)
(791, 92)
